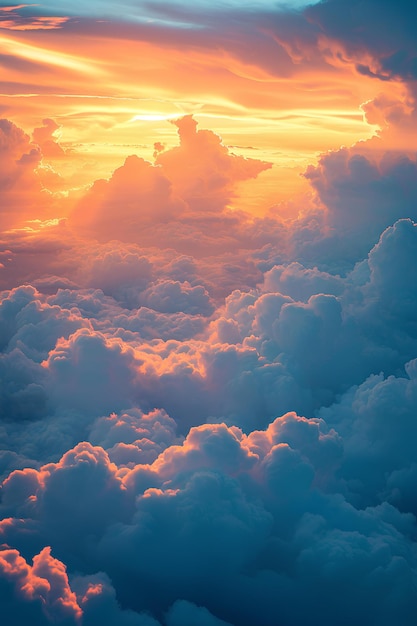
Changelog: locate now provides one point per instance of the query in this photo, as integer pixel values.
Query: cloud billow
(214, 434)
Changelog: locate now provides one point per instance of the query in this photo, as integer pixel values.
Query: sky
(208, 339)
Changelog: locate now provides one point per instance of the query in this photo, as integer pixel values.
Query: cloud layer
(207, 416)
(172, 455)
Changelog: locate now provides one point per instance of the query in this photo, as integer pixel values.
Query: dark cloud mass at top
(383, 28)
(209, 418)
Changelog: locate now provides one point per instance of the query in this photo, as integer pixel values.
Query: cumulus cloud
(45, 583)
(26, 184)
(141, 191)
(46, 138)
(173, 297)
(43, 595)
(208, 434)
(364, 196)
(133, 437)
(176, 201)
(18, 183)
(208, 417)
(203, 170)
(220, 517)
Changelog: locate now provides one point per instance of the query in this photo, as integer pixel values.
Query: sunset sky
(275, 83)
(208, 305)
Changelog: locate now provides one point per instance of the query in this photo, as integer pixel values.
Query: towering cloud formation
(179, 202)
(203, 170)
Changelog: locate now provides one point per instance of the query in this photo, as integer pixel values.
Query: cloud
(138, 189)
(183, 613)
(22, 179)
(46, 138)
(224, 437)
(385, 34)
(18, 158)
(16, 17)
(174, 202)
(173, 297)
(220, 517)
(378, 415)
(120, 273)
(153, 325)
(133, 437)
(45, 583)
(373, 37)
(42, 594)
(363, 196)
(96, 367)
(203, 170)
(300, 283)
(352, 186)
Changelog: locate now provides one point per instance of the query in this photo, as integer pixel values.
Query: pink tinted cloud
(46, 138)
(138, 193)
(46, 580)
(202, 169)
(23, 195)
(14, 20)
(207, 447)
(174, 202)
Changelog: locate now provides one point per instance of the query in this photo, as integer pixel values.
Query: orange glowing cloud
(41, 23)
(193, 183)
(280, 104)
(13, 20)
(46, 580)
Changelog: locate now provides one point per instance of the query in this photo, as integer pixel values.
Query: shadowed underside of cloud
(208, 418)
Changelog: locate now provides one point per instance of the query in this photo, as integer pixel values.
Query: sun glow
(154, 117)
